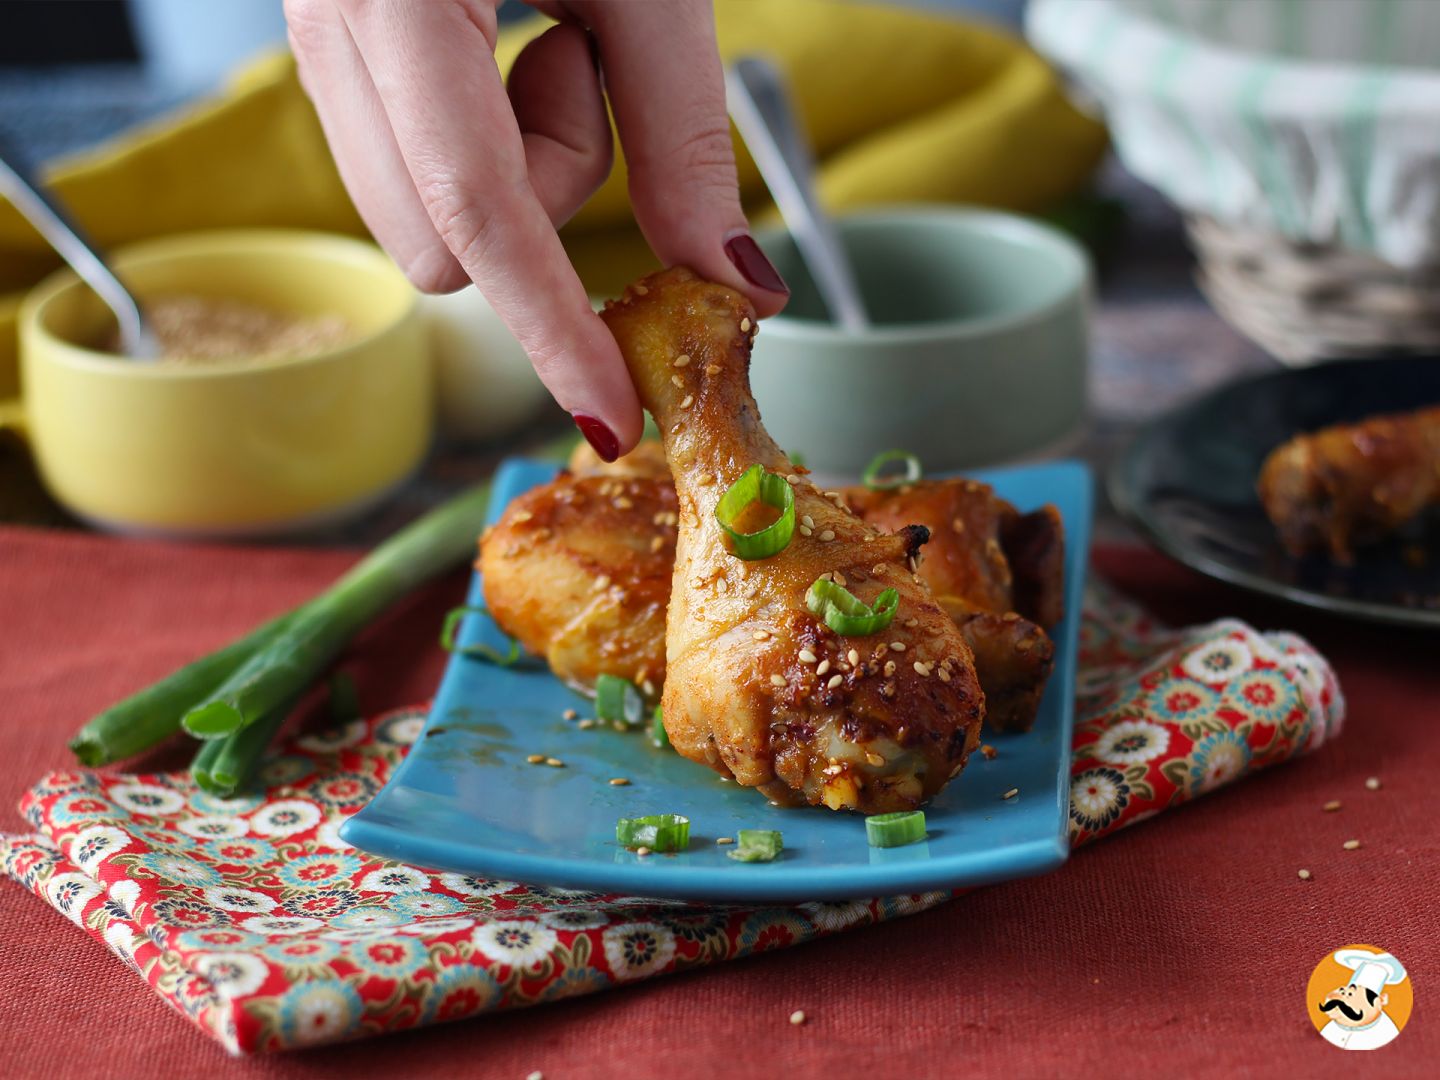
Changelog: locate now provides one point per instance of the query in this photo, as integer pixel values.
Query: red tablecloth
(1181, 948)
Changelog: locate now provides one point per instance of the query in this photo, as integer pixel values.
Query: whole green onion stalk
(236, 698)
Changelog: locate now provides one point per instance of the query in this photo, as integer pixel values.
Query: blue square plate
(465, 798)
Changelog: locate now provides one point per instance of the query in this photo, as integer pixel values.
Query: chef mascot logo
(1359, 998)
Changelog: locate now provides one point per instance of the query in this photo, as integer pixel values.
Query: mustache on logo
(1336, 1003)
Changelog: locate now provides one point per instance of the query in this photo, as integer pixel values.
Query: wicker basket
(1309, 302)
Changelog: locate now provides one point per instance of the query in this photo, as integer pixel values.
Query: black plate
(1188, 482)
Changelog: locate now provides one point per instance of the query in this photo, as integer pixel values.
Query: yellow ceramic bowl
(230, 448)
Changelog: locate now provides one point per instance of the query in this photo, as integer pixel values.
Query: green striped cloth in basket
(1319, 121)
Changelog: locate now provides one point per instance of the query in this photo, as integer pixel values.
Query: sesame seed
(642, 851)
(777, 680)
(648, 687)
(745, 326)
(807, 657)
(1304, 875)
(806, 530)
(619, 725)
(912, 622)
(712, 369)
(797, 1017)
(656, 543)
(554, 763)
(806, 519)
(823, 668)
(622, 503)
(838, 578)
(1350, 845)
(853, 657)
(678, 380)
(1011, 793)
(641, 290)
(889, 667)
(569, 714)
(792, 479)
(537, 1074)
(535, 759)
(832, 770)
(618, 781)
(586, 724)
(705, 479)
(724, 839)
(761, 635)
(944, 675)
(682, 360)
(874, 758)
(522, 516)
(1331, 806)
(835, 680)
(827, 535)
(1372, 784)
(832, 495)
(602, 582)
(922, 670)
(898, 646)
(878, 568)
(687, 401)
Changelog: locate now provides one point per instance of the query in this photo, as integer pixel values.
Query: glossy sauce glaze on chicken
(997, 572)
(579, 572)
(1338, 488)
(756, 686)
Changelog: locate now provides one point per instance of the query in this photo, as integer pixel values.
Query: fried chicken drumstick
(578, 571)
(998, 573)
(757, 687)
(1350, 484)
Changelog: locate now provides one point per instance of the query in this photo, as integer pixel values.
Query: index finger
(667, 87)
(434, 69)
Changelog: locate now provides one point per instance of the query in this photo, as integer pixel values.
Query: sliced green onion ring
(755, 484)
(481, 652)
(658, 735)
(757, 845)
(895, 830)
(846, 613)
(872, 479)
(618, 699)
(658, 832)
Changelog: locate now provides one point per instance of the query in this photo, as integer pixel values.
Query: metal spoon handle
(30, 198)
(759, 105)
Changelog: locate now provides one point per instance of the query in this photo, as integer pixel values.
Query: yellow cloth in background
(900, 105)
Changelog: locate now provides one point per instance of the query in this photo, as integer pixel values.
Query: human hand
(463, 179)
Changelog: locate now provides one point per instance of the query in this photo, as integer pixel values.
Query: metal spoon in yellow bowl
(30, 196)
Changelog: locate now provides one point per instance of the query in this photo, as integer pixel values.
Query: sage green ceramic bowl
(976, 356)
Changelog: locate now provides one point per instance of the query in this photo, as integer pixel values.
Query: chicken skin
(998, 573)
(578, 571)
(1352, 483)
(757, 687)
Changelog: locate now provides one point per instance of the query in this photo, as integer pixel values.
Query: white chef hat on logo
(1373, 971)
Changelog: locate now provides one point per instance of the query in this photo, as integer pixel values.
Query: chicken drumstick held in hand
(757, 685)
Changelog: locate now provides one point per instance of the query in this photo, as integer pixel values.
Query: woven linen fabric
(254, 919)
(1314, 121)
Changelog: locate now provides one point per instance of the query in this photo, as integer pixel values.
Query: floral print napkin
(254, 919)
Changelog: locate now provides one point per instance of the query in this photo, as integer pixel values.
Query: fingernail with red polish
(754, 267)
(598, 436)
